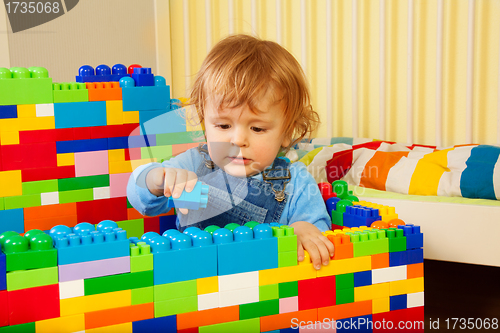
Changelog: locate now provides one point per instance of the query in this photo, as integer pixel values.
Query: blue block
(145, 98)
(248, 256)
(156, 325)
(78, 146)
(3, 272)
(143, 77)
(414, 238)
(167, 222)
(286, 330)
(196, 199)
(86, 73)
(331, 204)
(161, 121)
(357, 216)
(80, 114)
(8, 111)
(355, 324)
(12, 220)
(398, 258)
(362, 278)
(135, 141)
(398, 302)
(415, 256)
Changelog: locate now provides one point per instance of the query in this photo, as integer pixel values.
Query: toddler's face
(241, 142)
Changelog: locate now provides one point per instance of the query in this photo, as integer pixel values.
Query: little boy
(252, 98)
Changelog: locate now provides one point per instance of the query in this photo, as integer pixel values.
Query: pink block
(136, 131)
(324, 327)
(91, 163)
(135, 153)
(289, 304)
(118, 184)
(91, 269)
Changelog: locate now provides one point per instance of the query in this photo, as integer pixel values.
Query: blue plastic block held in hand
(196, 199)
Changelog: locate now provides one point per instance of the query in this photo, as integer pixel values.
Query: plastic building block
(11, 183)
(118, 282)
(143, 77)
(368, 242)
(34, 250)
(74, 323)
(142, 295)
(363, 279)
(283, 320)
(344, 266)
(102, 73)
(12, 220)
(343, 247)
(344, 296)
(70, 92)
(31, 278)
(24, 304)
(196, 199)
(309, 298)
(160, 122)
(389, 274)
(46, 173)
(259, 309)
(239, 296)
(71, 289)
(137, 98)
(414, 238)
(166, 324)
(8, 111)
(180, 257)
(338, 214)
(340, 187)
(84, 243)
(104, 91)
(141, 258)
(117, 316)
(77, 146)
(357, 216)
(397, 240)
(92, 269)
(371, 292)
(80, 114)
(326, 191)
(408, 286)
(3, 272)
(25, 86)
(415, 300)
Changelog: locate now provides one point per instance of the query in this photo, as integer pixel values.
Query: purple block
(142, 141)
(91, 269)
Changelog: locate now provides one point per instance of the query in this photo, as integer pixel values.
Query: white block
(71, 289)
(415, 299)
(50, 198)
(389, 274)
(208, 301)
(102, 193)
(240, 296)
(45, 110)
(238, 281)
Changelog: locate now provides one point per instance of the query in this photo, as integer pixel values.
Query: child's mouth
(239, 160)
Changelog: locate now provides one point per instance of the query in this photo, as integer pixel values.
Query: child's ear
(286, 141)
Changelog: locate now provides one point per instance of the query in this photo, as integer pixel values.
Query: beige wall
(94, 32)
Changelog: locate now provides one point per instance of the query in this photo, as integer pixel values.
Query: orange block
(34, 213)
(104, 91)
(415, 271)
(49, 222)
(119, 315)
(133, 214)
(343, 246)
(208, 317)
(180, 148)
(380, 260)
(343, 311)
(287, 320)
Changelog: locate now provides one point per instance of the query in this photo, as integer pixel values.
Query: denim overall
(238, 200)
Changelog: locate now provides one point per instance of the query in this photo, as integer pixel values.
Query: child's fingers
(323, 251)
(170, 175)
(192, 179)
(183, 210)
(300, 251)
(313, 251)
(329, 245)
(180, 183)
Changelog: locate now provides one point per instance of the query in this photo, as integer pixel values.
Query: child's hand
(171, 182)
(309, 238)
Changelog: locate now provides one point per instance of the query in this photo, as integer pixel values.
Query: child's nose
(239, 138)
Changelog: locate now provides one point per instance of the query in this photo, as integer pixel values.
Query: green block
(107, 284)
(267, 292)
(178, 138)
(32, 278)
(76, 196)
(42, 186)
(241, 326)
(31, 260)
(23, 201)
(70, 92)
(141, 263)
(2, 204)
(175, 306)
(135, 228)
(176, 290)
(344, 281)
(344, 296)
(22, 328)
(337, 218)
(129, 205)
(158, 152)
(368, 243)
(142, 295)
(397, 240)
(259, 309)
(286, 259)
(287, 243)
(80, 183)
(288, 289)
(26, 91)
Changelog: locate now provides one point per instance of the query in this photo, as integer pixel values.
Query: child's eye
(258, 129)
(222, 126)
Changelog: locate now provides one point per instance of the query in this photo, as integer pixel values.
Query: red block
(31, 175)
(112, 131)
(412, 320)
(114, 209)
(82, 133)
(316, 293)
(33, 304)
(4, 308)
(49, 135)
(26, 156)
(189, 330)
(152, 224)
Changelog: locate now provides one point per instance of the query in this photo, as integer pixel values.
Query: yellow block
(120, 328)
(76, 305)
(286, 274)
(65, 159)
(131, 117)
(138, 163)
(10, 183)
(344, 266)
(66, 324)
(120, 166)
(380, 305)
(407, 286)
(207, 285)
(116, 155)
(26, 111)
(114, 112)
(9, 138)
(373, 291)
(38, 123)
